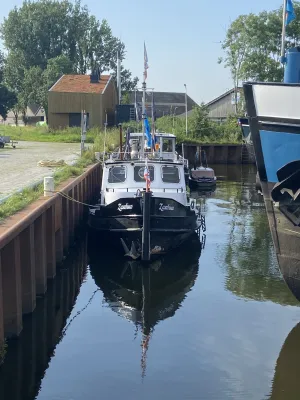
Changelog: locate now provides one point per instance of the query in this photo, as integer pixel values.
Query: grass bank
(68, 135)
(19, 201)
(43, 134)
(226, 133)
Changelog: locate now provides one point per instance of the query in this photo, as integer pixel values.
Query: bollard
(49, 186)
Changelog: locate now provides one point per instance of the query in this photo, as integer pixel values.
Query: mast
(146, 327)
(143, 116)
(144, 98)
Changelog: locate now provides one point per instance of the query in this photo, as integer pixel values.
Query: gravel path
(18, 167)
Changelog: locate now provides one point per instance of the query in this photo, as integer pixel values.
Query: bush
(200, 128)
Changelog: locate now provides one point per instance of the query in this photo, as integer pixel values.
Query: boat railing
(153, 189)
(185, 161)
(150, 156)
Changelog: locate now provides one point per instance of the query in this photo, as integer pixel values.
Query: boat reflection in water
(202, 193)
(286, 383)
(147, 295)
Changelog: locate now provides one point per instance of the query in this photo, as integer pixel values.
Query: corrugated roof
(222, 96)
(166, 103)
(79, 84)
(166, 98)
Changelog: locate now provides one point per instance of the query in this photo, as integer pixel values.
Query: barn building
(96, 94)
(223, 106)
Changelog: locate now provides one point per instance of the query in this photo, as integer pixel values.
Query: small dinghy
(202, 177)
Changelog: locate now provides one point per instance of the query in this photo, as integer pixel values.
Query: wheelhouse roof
(163, 134)
(137, 161)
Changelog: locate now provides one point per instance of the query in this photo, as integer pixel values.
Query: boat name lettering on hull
(162, 207)
(122, 207)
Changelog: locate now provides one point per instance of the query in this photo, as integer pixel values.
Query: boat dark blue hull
(171, 224)
(203, 184)
(275, 128)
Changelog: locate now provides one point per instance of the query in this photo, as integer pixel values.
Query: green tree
(7, 98)
(253, 43)
(128, 83)
(14, 72)
(126, 98)
(32, 89)
(199, 123)
(7, 101)
(56, 67)
(43, 30)
(1, 66)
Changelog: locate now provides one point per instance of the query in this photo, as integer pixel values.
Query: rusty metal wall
(34, 242)
(220, 153)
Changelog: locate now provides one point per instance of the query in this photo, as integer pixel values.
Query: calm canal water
(212, 324)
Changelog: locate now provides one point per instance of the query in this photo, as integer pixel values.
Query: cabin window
(139, 173)
(167, 145)
(170, 174)
(117, 174)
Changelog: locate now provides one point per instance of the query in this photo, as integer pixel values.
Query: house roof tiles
(79, 84)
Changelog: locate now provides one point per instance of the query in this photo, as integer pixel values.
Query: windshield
(170, 174)
(117, 174)
(167, 145)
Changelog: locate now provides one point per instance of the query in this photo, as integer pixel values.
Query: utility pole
(186, 121)
(83, 130)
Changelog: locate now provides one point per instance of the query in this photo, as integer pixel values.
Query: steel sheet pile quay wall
(44, 330)
(34, 242)
(220, 153)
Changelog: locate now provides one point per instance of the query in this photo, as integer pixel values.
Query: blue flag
(147, 131)
(290, 13)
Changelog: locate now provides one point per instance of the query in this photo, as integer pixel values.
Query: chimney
(95, 75)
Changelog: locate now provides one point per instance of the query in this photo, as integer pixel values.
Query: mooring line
(71, 198)
(78, 313)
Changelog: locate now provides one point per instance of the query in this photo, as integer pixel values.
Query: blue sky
(181, 39)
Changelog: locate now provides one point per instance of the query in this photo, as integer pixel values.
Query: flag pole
(282, 59)
(143, 116)
(144, 98)
(153, 123)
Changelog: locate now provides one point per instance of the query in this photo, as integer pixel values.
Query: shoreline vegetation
(200, 131)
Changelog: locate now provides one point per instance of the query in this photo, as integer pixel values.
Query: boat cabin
(123, 174)
(203, 172)
(164, 148)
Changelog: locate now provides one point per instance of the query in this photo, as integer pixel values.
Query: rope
(71, 198)
(78, 313)
(51, 163)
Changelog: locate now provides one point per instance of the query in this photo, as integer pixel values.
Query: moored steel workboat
(143, 201)
(274, 119)
(135, 181)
